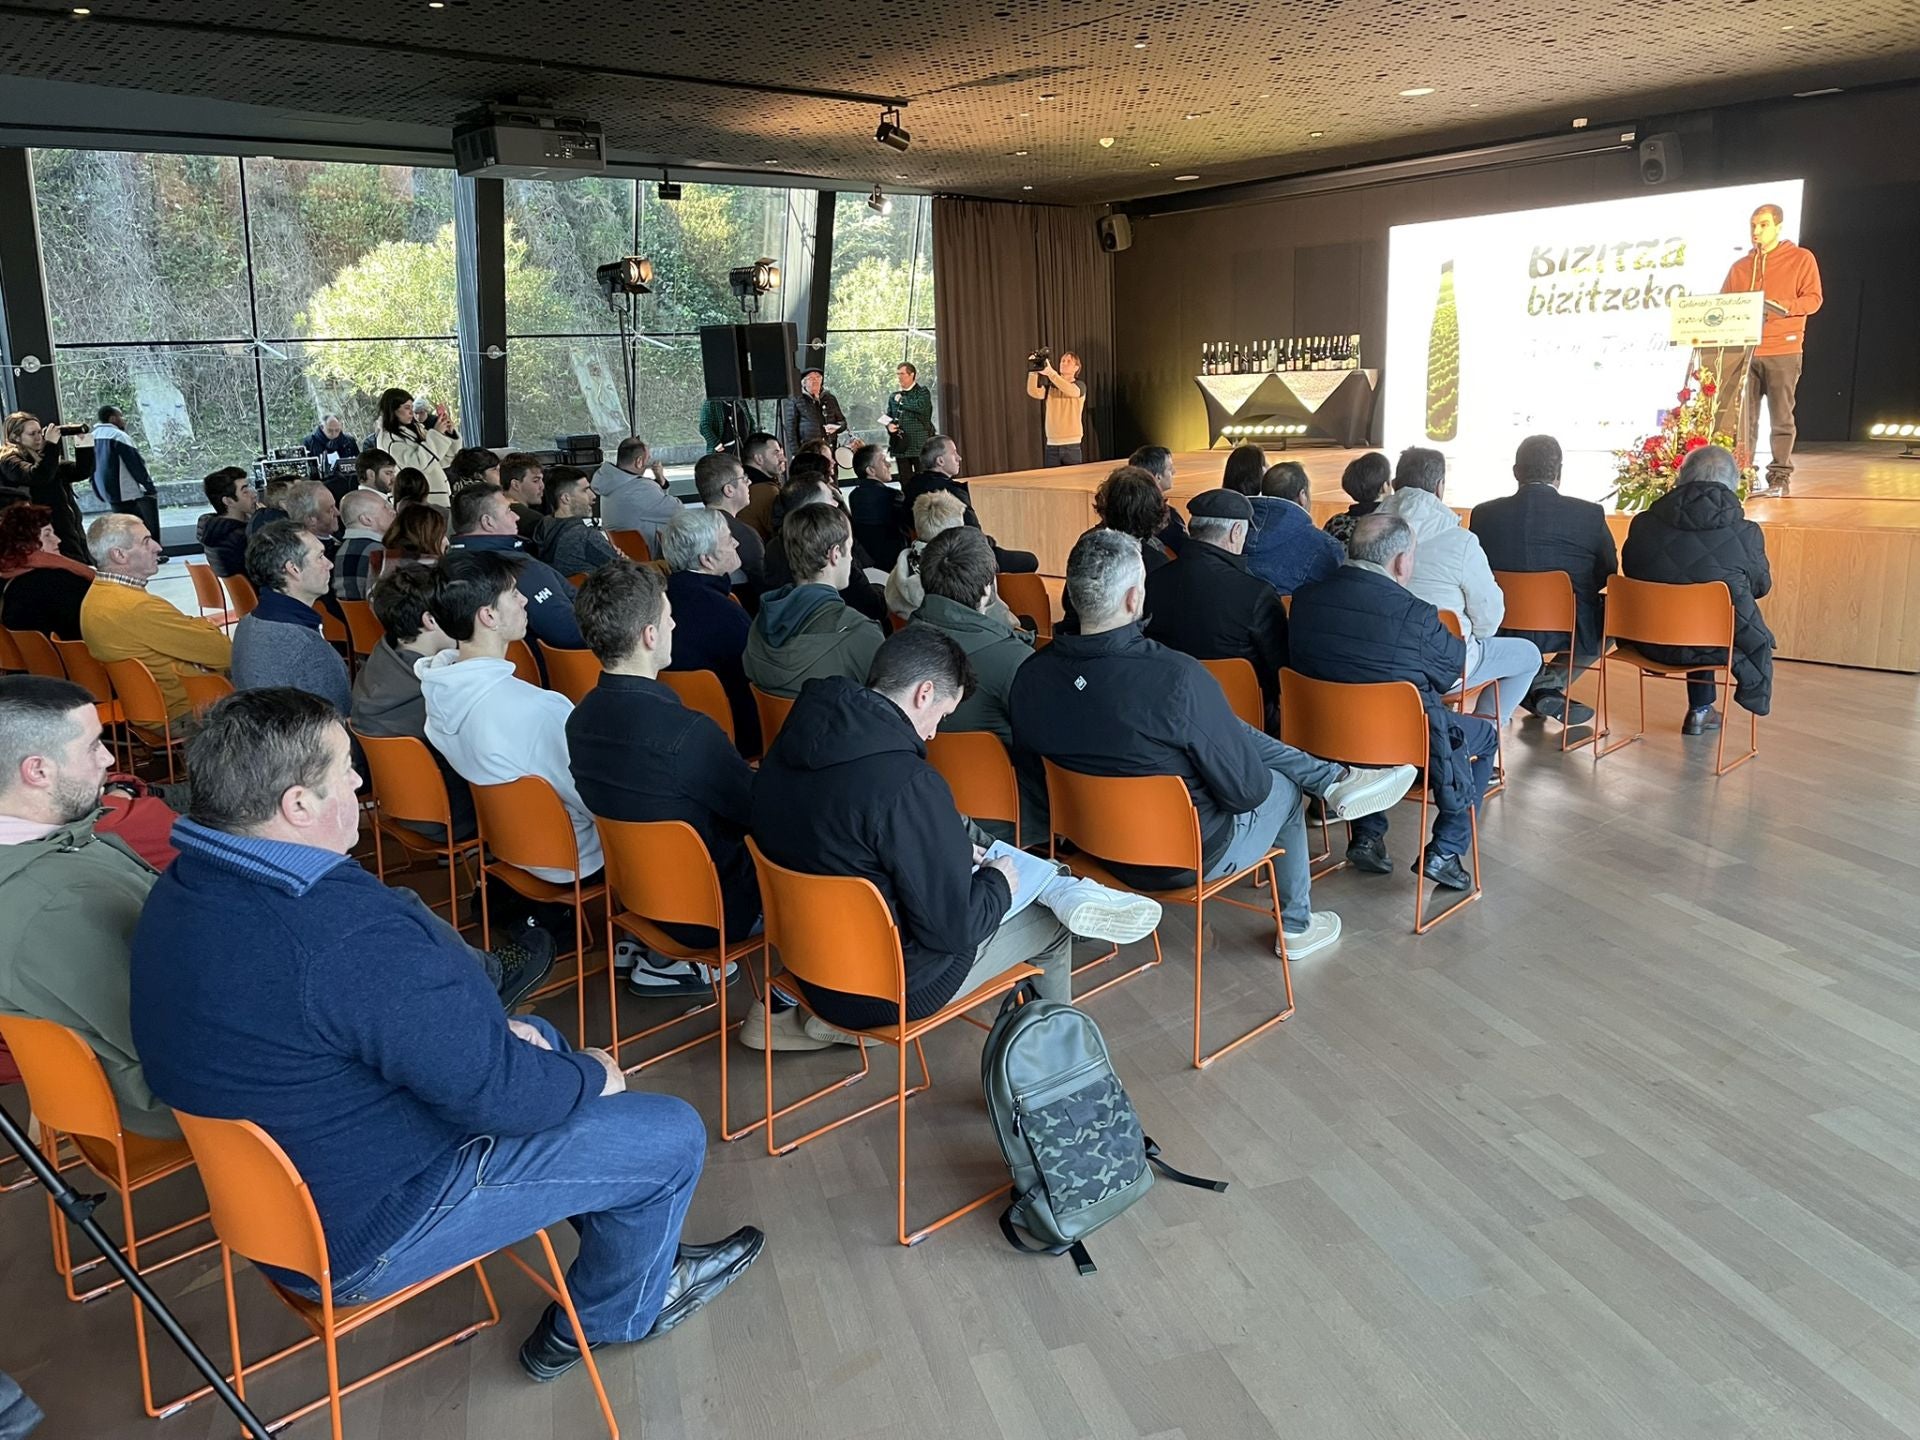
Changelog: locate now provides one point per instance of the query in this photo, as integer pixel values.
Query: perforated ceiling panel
(1014, 98)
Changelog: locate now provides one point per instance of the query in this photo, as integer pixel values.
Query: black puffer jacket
(1694, 533)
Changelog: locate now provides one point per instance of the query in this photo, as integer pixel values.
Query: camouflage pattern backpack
(1066, 1127)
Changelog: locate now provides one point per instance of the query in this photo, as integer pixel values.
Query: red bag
(141, 819)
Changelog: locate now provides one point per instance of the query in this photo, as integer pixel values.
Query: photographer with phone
(421, 436)
(1065, 399)
(30, 461)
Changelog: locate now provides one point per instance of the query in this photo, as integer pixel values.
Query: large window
(879, 305)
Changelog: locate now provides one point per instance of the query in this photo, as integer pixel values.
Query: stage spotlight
(756, 279)
(632, 275)
(890, 134)
(879, 203)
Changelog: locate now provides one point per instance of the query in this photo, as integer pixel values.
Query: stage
(1845, 549)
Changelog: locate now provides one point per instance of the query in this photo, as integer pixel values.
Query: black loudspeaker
(1116, 232)
(750, 362)
(1660, 158)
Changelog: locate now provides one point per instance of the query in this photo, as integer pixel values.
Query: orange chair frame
(523, 824)
(1026, 596)
(632, 544)
(1544, 600)
(1460, 697)
(71, 1097)
(1150, 820)
(1383, 723)
(571, 672)
(38, 655)
(88, 673)
(1240, 682)
(980, 773)
(835, 931)
(241, 592)
(145, 708)
(11, 660)
(773, 710)
(408, 785)
(701, 690)
(263, 1212)
(1642, 612)
(211, 599)
(364, 630)
(520, 656)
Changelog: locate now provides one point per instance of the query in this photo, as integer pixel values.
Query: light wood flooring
(1626, 1149)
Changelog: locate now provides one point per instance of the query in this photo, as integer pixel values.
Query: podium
(1720, 332)
(1334, 405)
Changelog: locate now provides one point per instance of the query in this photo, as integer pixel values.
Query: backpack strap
(1082, 1261)
(1180, 1177)
(1021, 994)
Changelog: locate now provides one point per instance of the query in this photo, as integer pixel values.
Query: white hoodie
(1450, 570)
(493, 727)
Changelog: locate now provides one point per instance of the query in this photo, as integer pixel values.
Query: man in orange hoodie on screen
(1790, 277)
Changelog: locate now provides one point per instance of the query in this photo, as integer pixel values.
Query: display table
(1334, 405)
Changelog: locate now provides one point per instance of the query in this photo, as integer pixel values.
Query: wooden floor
(1627, 1149)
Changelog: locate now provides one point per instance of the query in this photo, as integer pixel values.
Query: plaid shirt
(353, 565)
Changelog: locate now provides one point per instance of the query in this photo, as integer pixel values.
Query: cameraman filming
(1065, 399)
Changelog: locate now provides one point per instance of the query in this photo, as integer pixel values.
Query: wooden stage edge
(1845, 548)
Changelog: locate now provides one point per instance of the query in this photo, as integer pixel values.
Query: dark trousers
(1700, 689)
(1774, 378)
(1061, 455)
(147, 507)
(1452, 829)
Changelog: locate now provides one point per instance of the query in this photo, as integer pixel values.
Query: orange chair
(208, 595)
(407, 785)
(1150, 820)
(11, 660)
(1543, 601)
(524, 826)
(1377, 724)
(572, 672)
(979, 771)
(364, 630)
(701, 690)
(773, 714)
(520, 655)
(91, 675)
(1242, 688)
(835, 931)
(38, 655)
(241, 592)
(632, 544)
(576, 581)
(145, 710)
(1640, 612)
(1461, 697)
(71, 1097)
(1026, 596)
(262, 1211)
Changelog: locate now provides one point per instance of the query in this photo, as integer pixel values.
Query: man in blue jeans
(274, 980)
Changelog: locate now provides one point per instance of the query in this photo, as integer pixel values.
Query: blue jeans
(1053, 455)
(1280, 819)
(1452, 829)
(621, 1169)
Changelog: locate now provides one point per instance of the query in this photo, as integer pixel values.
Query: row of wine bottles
(1298, 352)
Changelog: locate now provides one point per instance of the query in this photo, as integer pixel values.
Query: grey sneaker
(793, 1029)
(1367, 792)
(1323, 928)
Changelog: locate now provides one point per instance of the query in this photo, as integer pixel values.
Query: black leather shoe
(1369, 853)
(1445, 871)
(1555, 706)
(702, 1272)
(546, 1354)
(1698, 722)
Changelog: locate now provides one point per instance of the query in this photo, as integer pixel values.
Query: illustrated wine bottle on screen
(1443, 362)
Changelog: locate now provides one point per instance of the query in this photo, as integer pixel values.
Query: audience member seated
(366, 517)
(963, 603)
(1108, 701)
(638, 754)
(1131, 502)
(710, 631)
(1208, 605)
(223, 534)
(375, 470)
(805, 631)
(810, 482)
(484, 524)
(879, 514)
(1365, 626)
(765, 462)
(44, 589)
(310, 505)
(417, 536)
(280, 643)
(119, 620)
(387, 701)
(333, 447)
(1698, 532)
(523, 480)
(722, 485)
(411, 487)
(377, 1055)
(1450, 572)
(69, 899)
(934, 514)
(940, 470)
(633, 493)
(474, 465)
(573, 544)
(1366, 480)
(1157, 461)
(272, 506)
(1286, 549)
(1535, 529)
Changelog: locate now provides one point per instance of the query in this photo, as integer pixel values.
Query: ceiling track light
(668, 188)
(889, 132)
(879, 202)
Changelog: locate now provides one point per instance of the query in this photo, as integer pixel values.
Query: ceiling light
(878, 202)
(1416, 92)
(667, 190)
(1153, 164)
(1186, 177)
(1809, 94)
(1106, 142)
(1020, 152)
(436, 4)
(1191, 115)
(1139, 44)
(1315, 134)
(632, 275)
(889, 133)
(1580, 123)
(1026, 187)
(1049, 95)
(82, 10)
(769, 162)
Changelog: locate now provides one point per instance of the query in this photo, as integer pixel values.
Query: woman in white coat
(425, 441)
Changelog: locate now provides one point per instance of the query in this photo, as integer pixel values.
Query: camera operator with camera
(1065, 398)
(30, 462)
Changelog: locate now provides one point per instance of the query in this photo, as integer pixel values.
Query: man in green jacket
(69, 899)
(909, 418)
(805, 631)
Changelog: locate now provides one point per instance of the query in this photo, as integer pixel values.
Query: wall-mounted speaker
(750, 362)
(1660, 158)
(1116, 232)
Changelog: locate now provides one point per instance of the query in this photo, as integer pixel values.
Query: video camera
(1040, 359)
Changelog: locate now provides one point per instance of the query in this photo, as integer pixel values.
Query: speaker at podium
(750, 362)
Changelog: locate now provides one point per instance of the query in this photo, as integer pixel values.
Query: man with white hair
(311, 505)
(710, 629)
(332, 445)
(366, 515)
(119, 620)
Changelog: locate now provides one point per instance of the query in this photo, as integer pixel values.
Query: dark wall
(1285, 267)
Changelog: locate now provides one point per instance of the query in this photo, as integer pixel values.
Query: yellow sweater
(1064, 400)
(121, 623)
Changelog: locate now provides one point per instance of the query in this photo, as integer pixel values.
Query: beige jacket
(1065, 400)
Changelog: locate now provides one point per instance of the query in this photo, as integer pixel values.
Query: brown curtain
(1006, 278)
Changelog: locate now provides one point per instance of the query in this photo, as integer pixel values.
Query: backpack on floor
(1066, 1127)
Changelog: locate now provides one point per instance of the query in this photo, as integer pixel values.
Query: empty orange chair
(980, 773)
(1377, 724)
(572, 672)
(520, 655)
(71, 1097)
(364, 630)
(407, 785)
(1461, 697)
(1544, 600)
(1641, 612)
(701, 690)
(241, 592)
(1026, 596)
(208, 595)
(38, 655)
(1242, 689)
(632, 544)
(773, 714)
(835, 931)
(263, 1212)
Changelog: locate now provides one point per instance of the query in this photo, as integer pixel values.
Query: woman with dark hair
(1366, 480)
(425, 441)
(1246, 467)
(1130, 501)
(30, 462)
(43, 587)
(474, 465)
(409, 488)
(418, 536)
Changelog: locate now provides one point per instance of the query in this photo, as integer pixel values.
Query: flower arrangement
(1648, 469)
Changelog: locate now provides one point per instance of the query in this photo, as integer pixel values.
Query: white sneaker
(627, 953)
(792, 1030)
(1090, 909)
(1367, 792)
(675, 977)
(1323, 928)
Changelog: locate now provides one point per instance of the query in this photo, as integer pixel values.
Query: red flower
(1708, 388)
(1652, 443)
(1685, 395)
(1698, 442)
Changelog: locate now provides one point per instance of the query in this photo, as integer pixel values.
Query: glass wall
(879, 305)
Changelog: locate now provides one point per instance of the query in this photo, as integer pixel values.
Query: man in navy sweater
(483, 520)
(274, 980)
